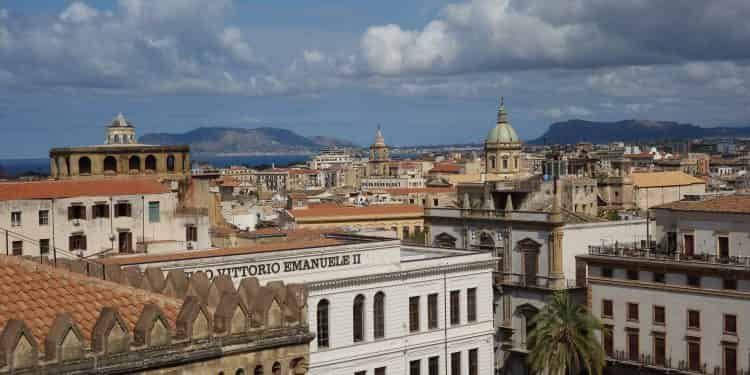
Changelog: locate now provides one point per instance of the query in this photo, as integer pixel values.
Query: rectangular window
(433, 366)
(606, 272)
(729, 284)
(77, 212)
(632, 274)
(77, 242)
(632, 311)
(43, 217)
(694, 355)
(435, 202)
(471, 304)
(456, 363)
(607, 308)
(723, 247)
(660, 315)
(730, 324)
(363, 372)
(123, 209)
(694, 319)
(694, 281)
(455, 307)
(100, 210)
(380, 371)
(153, 212)
(17, 247)
(608, 340)
(191, 233)
(15, 218)
(730, 360)
(659, 277)
(44, 246)
(432, 311)
(473, 362)
(414, 367)
(633, 350)
(413, 314)
(660, 350)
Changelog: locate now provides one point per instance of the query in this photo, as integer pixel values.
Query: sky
(429, 72)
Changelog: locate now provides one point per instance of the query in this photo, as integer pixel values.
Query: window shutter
(83, 212)
(127, 210)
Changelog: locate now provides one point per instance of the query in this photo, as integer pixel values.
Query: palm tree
(563, 340)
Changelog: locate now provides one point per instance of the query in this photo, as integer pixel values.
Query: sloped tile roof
(664, 179)
(68, 189)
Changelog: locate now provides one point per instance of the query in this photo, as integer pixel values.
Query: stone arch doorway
(84, 165)
(151, 163)
(134, 164)
(110, 164)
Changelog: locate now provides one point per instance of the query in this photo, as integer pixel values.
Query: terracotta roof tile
(735, 204)
(405, 191)
(56, 290)
(68, 189)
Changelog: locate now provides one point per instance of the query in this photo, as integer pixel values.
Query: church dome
(502, 132)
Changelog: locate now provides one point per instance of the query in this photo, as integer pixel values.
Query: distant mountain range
(248, 141)
(574, 131)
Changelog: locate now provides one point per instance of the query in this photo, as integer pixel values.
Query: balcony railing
(460, 213)
(681, 366)
(634, 250)
(539, 282)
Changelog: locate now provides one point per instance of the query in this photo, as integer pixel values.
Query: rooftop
(36, 293)
(334, 211)
(404, 191)
(736, 204)
(68, 189)
(664, 179)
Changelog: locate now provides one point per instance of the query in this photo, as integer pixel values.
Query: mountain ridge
(221, 139)
(632, 130)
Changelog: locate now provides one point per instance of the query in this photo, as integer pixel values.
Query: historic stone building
(502, 149)
(102, 320)
(380, 157)
(120, 156)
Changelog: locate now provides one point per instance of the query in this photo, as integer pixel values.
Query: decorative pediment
(152, 328)
(527, 244)
(18, 348)
(64, 341)
(110, 334)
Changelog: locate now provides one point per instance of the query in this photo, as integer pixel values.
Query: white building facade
(89, 218)
(376, 307)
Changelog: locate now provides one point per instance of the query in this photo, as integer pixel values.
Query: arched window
(505, 163)
(322, 318)
(84, 165)
(258, 370)
(378, 315)
(117, 138)
(358, 318)
(239, 372)
(493, 162)
(276, 369)
(150, 163)
(170, 163)
(134, 163)
(110, 164)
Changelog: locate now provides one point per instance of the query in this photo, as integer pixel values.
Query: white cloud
(231, 39)
(313, 56)
(565, 112)
(78, 12)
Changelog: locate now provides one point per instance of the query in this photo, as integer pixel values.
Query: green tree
(563, 340)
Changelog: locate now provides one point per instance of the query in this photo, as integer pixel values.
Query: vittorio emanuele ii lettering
(272, 268)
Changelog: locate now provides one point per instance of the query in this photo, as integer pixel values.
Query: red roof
(446, 168)
(68, 189)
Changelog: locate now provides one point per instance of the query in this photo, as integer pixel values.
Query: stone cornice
(400, 275)
(670, 287)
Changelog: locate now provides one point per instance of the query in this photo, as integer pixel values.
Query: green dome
(502, 132)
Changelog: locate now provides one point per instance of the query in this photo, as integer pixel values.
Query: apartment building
(96, 217)
(681, 304)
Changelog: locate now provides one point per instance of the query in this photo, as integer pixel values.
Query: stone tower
(120, 132)
(379, 156)
(502, 148)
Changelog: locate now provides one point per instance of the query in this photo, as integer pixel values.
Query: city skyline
(429, 73)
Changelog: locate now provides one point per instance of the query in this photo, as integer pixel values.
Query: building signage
(273, 268)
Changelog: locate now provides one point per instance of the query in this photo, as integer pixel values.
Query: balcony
(541, 282)
(636, 251)
(648, 362)
(461, 213)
